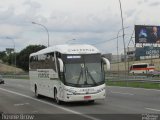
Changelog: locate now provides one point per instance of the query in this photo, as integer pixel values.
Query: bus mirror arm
(106, 61)
(61, 65)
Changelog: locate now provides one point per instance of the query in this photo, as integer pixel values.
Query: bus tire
(59, 102)
(36, 92)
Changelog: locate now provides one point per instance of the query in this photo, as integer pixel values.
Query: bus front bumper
(85, 97)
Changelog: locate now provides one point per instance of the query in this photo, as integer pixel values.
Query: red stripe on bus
(142, 68)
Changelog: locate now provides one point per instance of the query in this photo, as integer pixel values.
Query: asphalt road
(16, 97)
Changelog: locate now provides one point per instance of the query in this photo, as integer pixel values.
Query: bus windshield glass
(83, 70)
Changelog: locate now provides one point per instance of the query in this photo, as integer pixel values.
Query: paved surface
(16, 97)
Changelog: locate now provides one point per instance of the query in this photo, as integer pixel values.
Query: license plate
(87, 97)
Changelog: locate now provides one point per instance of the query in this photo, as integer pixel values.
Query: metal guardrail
(133, 79)
(113, 78)
(26, 76)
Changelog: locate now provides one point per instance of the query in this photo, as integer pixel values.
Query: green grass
(134, 84)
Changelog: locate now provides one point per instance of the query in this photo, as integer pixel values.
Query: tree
(9, 59)
(22, 58)
(2, 54)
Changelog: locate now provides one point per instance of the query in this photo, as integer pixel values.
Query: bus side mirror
(106, 61)
(61, 65)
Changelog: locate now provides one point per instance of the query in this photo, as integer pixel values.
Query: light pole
(128, 50)
(14, 47)
(123, 36)
(117, 47)
(44, 28)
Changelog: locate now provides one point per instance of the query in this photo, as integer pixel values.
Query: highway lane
(12, 102)
(120, 100)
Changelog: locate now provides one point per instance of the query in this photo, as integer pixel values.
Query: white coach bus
(68, 73)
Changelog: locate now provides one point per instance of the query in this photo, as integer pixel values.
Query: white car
(1, 80)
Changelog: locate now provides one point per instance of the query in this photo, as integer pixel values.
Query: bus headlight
(70, 92)
(101, 89)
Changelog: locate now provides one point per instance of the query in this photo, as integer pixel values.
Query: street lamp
(14, 47)
(128, 50)
(44, 28)
(123, 36)
(117, 46)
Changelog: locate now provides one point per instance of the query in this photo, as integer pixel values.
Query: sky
(94, 22)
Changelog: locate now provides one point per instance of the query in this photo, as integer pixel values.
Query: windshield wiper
(89, 74)
(80, 75)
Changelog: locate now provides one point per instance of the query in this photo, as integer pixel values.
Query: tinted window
(45, 61)
(140, 66)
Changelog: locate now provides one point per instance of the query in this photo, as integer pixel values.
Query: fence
(19, 76)
(115, 80)
(134, 81)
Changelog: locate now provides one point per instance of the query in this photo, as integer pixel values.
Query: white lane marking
(122, 93)
(19, 85)
(65, 109)
(153, 109)
(21, 104)
(34, 111)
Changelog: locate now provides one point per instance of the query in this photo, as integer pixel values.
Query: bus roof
(69, 49)
(140, 64)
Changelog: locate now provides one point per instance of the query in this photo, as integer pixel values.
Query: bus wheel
(56, 97)
(35, 92)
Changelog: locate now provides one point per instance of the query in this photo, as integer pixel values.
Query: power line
(108, 40)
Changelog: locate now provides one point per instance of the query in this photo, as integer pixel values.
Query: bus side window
(47, 61)
(31, 62)
(52, 62)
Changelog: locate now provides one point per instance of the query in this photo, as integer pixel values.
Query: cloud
(86, 25)
(10, 30)
(62, 22)
(154, 4)
(130, 12)
(33, 7)
(142, 2)
(87, 21)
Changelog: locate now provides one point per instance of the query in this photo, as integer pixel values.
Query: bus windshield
(83, 70)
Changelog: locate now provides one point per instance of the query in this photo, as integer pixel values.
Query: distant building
(130, 53)
(9, 50)
(112, 58)
(120, 58)
(116, 58)
(108, 56)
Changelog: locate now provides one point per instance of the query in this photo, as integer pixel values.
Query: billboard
(147, 34)
(147, 52)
